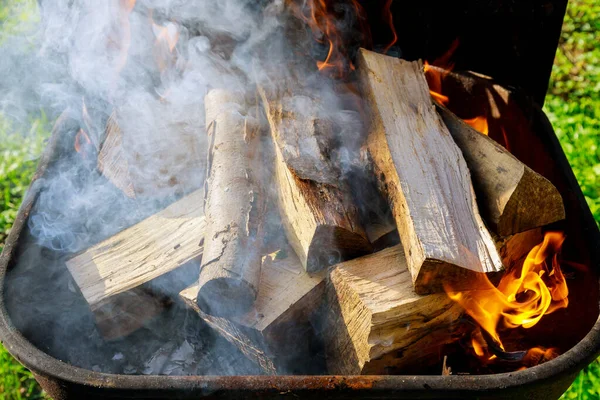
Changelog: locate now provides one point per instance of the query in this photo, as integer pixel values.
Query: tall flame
(523, 296)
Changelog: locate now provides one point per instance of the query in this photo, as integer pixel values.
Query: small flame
(523, 296)
(387, 13)
(319, 15)
(121, 38)
(479, 123)
(81, 139)
(167, 37)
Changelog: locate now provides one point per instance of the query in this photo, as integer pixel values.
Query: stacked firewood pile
(461, 205)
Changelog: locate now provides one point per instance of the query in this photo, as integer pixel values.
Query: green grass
(19, 152)
(572, 104)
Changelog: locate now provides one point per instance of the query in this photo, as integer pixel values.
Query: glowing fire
(523, 296)
(479, 123)
(81, 139)
(167, 37)
(435, 77)
(320, 17)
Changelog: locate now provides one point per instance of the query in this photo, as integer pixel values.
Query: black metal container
(546, 381)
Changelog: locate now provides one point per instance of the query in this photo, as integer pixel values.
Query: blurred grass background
(572, 104)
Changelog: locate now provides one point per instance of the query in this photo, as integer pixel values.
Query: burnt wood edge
(61, 380)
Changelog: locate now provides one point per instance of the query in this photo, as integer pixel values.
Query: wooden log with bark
(513, 198)
(234, 209)
(377, 324)
(424, 177)
(321, 222)
(275, 332)
(110, 274)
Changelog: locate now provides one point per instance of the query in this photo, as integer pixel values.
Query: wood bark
(234, 209)
(513, 198)
(110, 273)
(377, 324)
(321, 222)
(425, 178)
(275, 333)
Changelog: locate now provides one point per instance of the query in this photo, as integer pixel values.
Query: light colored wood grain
(111, 161)
(163, 159)
(265, 334)
(235, 207)
(424, 176)
(320, 220)
(377, 324)
(513, 198)
(147, 250)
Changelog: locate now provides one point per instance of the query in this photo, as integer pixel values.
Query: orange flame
(320, 17)
(387, 13)
(123, 39)
(167, 37)
(478, 123)
(523, 296)
(81, 139)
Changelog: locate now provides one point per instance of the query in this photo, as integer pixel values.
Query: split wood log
(156, 162)
(112, 163)
(377, 324)
(320, 220)
(425, 178)
(157, 245)
(275, 333)
(234, 209)
(515, 248)
(513, 198)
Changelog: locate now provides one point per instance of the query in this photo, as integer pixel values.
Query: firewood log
(515, 248)
(168, 158)
(275, 333)
(321, 222)
(425, 178)
(112, 163)
(234, 209)
(377, 324)
(124, 262)
(513, 198)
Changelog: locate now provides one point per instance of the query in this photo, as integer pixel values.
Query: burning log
(425, 178)
(234, 209)
(127, 260)
(512, 196)
(377, 324)
(275, 332)
(321, 222)
(515, 248)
